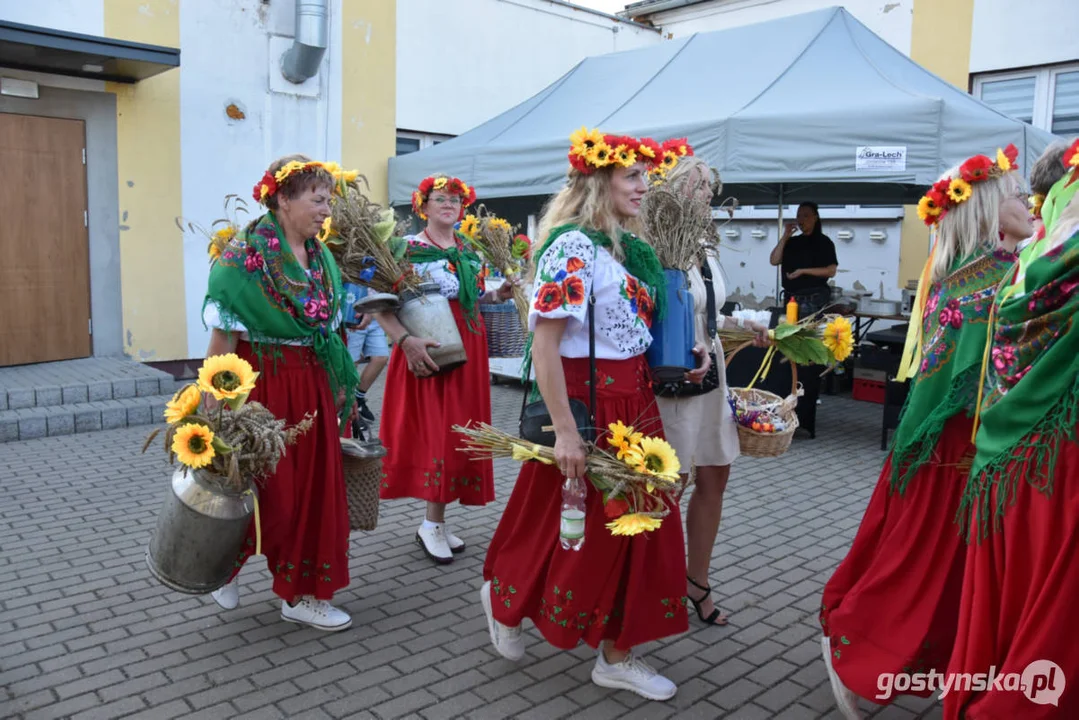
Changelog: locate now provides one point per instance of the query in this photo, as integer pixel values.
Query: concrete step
(78, 382)
(52, 420)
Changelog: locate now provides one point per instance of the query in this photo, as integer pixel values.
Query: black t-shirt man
(807, 260)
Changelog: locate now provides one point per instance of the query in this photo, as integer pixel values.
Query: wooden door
(44, 243)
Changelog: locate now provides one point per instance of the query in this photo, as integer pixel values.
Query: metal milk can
(427, 313)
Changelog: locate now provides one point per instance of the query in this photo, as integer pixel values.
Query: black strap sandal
(713, 618)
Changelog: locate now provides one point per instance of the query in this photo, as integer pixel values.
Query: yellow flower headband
(271, 182)
(948, 193)
(591, 150)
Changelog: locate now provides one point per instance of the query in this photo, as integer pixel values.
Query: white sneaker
(433, 541)
(635, 675)
(845, 700)
(318, 614)
(457, 545)
(228, 596)
(508, 641)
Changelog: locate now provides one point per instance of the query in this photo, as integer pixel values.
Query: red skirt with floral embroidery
(892, 604)
(1019, 592)
(302, 507)
(627, 589)
(422, 460)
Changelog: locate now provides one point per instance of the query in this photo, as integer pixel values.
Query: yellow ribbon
(912, 348)
(766, 365)
(985, 367)
(258, 523)
(524, 454)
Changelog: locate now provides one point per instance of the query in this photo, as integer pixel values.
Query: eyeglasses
(452, 201)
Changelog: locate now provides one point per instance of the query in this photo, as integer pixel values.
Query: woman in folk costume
(701, 427)
(1044, 174)
(1022, 501)
(422, 404)
(891, 605)
(615, 592)
(274, 299)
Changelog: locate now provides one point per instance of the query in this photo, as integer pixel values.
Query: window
(409, 142)
(1046, 97)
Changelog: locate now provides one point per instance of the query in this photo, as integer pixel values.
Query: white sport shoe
(508, 641)
(228, 596)
(434, 543)
(318, 614)
(635, 675)
(457, 545)
(845, 700)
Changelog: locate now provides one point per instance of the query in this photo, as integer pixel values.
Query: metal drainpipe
(301, 61)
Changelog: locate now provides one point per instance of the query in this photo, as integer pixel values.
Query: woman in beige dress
(701, 428)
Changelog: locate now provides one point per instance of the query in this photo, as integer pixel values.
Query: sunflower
(469, 227)
(633, 524)
(185, 402)
(670, 159)
(1003, 161)
(623, 434)
(625, 156)
(194, 445)
(214, 250)
(583, 140)
(498, 223)
(838, 338)
(327, 230)
(959, 190)
(658, 458)
(440, 183)
(227, 377)
(928, 211)
(599, 155)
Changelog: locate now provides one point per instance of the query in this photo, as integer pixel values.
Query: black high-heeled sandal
(714, 615)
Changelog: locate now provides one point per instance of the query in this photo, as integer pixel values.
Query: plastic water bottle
(571, 533)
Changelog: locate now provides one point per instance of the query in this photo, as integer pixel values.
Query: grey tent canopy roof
(779, 104)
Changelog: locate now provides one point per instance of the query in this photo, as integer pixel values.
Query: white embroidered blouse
(441, 272)
(570, 269)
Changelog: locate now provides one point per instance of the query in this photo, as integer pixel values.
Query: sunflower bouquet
(222, 230)
(501, 247)
(635, 473)
(365, 241)
(235, 442)
(816, 340)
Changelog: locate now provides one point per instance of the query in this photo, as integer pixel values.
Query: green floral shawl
(1031, 400)
(257, 282)
(955, 329)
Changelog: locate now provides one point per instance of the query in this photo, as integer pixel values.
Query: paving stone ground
(87, 633)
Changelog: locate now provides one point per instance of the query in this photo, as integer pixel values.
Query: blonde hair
(681, 173)
(586, 201)
(972, 225)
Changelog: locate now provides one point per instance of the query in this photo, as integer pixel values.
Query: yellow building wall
(369, 89)
(148, 156)
(940, 42)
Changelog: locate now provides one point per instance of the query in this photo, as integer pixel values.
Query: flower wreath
(272, 182)
(451, 185)
(591, 150)
(673, 151)
(948, 193)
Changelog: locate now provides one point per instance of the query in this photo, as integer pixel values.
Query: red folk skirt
(892, 604)
(627, 589)
(418, 414)
(1019, 593)
(302, 507)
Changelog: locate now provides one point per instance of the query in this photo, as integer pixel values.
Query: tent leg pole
(779, 235)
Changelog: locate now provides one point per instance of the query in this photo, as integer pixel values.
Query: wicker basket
(765, 444)
(505, 336)
(363, 476)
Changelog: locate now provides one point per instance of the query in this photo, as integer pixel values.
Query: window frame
(426, 139)
(1044, 88)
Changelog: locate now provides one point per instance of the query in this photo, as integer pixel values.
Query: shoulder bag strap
(706, 274)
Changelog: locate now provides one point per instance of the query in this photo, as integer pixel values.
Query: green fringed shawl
(640, 262)
(466, 264)
(1031, 403)
(259, 283)
(954, 331)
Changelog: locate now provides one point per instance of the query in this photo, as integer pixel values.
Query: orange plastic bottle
(792, 312)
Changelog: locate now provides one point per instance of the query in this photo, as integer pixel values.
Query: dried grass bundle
(506, 250)
(222, 230)
(613, 477)
(678, 221)
(364, 238)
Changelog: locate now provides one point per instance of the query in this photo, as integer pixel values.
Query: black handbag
(711, 378)
(536, 425)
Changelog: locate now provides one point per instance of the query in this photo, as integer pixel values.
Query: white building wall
(79, 16)
(231, 57)
(461, 63)
(1018, 33)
